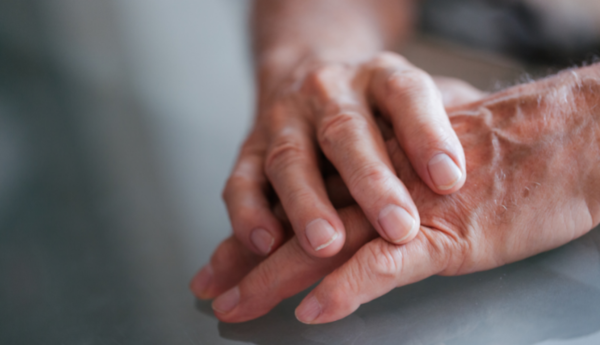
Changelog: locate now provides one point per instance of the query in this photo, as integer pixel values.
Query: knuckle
(241, 181)
(408, 83)
(342, 127)
(321, 75)
(324, 81)
(455, 258)
(299, 199)
(247, 170)
(387, 58)
(232, 187)
(282, 155)
(451, 253)
(373, 174)
(385, 260)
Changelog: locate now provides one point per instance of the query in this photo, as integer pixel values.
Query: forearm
(289, 31)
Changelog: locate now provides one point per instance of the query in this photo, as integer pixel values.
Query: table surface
(111, 165)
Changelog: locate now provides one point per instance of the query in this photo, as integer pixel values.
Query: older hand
(532, 154)
(328, 107)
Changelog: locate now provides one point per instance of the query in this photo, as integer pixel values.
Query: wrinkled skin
(327, 107)
(324, 68)
(532, 160)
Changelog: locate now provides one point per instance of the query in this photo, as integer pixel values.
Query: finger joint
(385, 260)
(373, 174)
(342, 127)
(282, 156)
(409, 84)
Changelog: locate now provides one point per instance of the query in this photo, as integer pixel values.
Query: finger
(456, 92)
(292, 168)
(349, 137)
(230, 262)
(413, 104)
(287, 272)
(245, 197)
(373, 271)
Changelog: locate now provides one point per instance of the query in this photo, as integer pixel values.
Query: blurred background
(120, 121)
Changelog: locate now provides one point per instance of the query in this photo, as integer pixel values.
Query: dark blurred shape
(534, 31)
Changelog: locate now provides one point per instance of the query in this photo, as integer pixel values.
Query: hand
(533, 185)
(328, 107)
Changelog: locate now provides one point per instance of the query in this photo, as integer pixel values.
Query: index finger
(245, 197)
(377, 268)
(287, 272)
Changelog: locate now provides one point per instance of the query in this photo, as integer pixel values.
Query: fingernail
(308, 310)
(262, 240)
(202, 280)
(227, 301)
(444, 173)
(320, 234)
(397, 223)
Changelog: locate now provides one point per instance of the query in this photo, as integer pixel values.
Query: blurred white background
(190, 70)
(184, 66)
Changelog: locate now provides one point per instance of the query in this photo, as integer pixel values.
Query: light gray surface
(119, 122)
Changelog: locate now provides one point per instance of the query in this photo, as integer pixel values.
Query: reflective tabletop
(119, 122)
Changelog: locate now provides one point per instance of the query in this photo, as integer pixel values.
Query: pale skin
(532, 155)
(322, 69)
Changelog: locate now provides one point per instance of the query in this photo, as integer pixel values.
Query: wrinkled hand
(532, 154)
(328, 107)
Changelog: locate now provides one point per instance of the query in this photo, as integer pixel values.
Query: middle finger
(292, 168)
(351, 140)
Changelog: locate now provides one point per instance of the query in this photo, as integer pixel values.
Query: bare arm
(287, 31)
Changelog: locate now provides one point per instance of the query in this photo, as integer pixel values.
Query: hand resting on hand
(532, 160)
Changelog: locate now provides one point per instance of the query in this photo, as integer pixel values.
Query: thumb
(373, 271)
